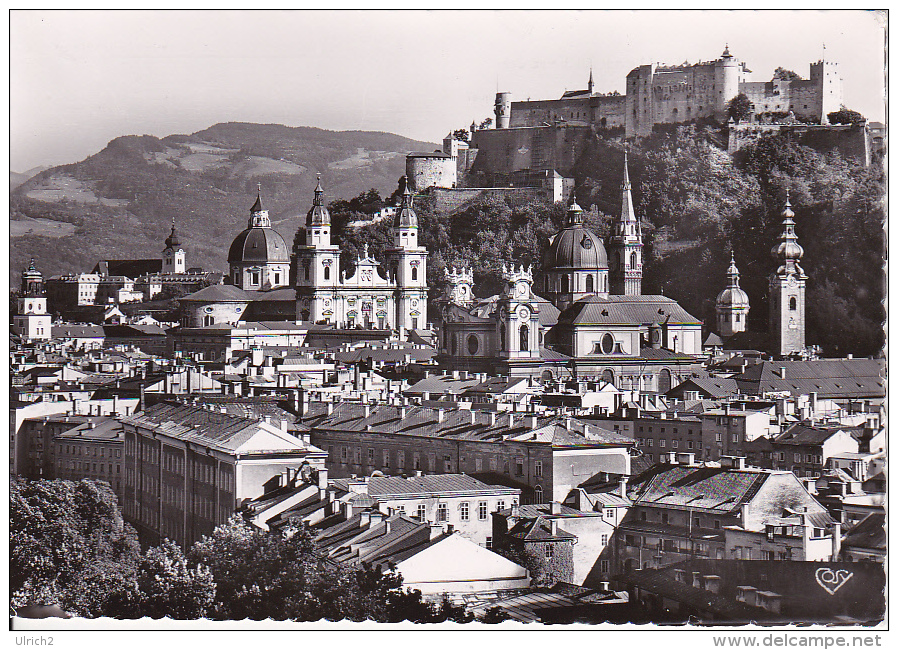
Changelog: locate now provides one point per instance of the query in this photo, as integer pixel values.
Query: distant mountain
(120, 202)
(17, 178)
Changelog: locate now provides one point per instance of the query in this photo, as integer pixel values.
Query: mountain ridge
(120, 202)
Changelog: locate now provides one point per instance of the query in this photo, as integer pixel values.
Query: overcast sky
(79, 79)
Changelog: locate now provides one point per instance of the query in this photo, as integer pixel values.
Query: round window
(607, 344)
(586, 242)
(208, 309)
(473, 344)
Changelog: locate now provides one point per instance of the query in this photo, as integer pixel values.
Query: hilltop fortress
(663, 94)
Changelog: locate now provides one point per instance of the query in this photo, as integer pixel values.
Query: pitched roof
(429, 485)
(802, 434)
(868, 533)
(626, 310)
(219, 293)
(538, 529)
(696, 487)
(827, 377)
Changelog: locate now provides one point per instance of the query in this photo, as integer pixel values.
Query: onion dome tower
(174, 259)
(32, 281)
(732, 304)
(407, 264)
(317, 264)
(787, 291)
(625, 245)
(258, 257)
(576, 264)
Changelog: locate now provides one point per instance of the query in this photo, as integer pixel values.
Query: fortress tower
(502, 109)
(726, 80)
(625, 245)
(787, 291)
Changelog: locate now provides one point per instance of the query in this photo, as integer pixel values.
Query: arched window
(589, 281)
(306, 268)
(454, 345)
(664, 380)
(537, 494)
(793, 304)
(208, 320)
(414, 273)
(502, 336)
(565, 284)
(608, 377)
(633, 259)
(525, 338)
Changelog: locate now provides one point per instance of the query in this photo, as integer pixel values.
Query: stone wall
(504, 151)
(849, 140)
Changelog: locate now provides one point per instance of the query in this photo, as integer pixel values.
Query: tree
(68, 545)
(783, 73)
(279, 575)
(461, 134)
(739, 108)
(166, 586)
(485, 124)
(845, 116)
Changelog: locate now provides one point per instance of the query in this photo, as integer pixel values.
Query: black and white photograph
(448, 320)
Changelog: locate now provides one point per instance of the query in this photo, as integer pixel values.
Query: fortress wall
(503, 151)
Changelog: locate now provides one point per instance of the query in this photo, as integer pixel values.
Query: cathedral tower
(625, 245)
(787, 288)
(317, 264)
(732, 304)
(461, 282)
(518, 310)
(407, 264)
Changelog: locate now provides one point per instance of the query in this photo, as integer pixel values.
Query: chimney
(782, 372)
(492, 418)
(425, 396)
(747, 594)
(367, 410)
(623, 487)
(555, 508)
(837, 541)
(554, 525)
(322, 478)
(686, 458)
(679, 575)
(531, 421)
(697, 579)
(450, 529)
(365, 518)
(439, 415)
(330, 408)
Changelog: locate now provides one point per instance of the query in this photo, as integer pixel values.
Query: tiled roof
(76, 331)
(868, 533)
(203, 427)
(497, 385)
(802, 434)
(700, 488)
(392, 355)
(716, 387)
(430, 485)
(826, 377)
(626, 310)
(533, 510)
(442, 384)
(104, 429)
(537, 530)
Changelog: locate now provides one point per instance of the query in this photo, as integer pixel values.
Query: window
(473, 345)
(538, 494)
(735, 437)
(662, 442)
(447, 464)
(327, 273)
(482, 511)
(797, 457)
(500, 505)
(718, 437)
(478, 464)
(717, 524)
(400, 459)
(649, 441)
(519, 467)
(604, 540)
(489, 542)
(689, 445)
(538, 468)
(386, 457)
(673, 444)
(421, 513)
(767, 555)
(442, 512)
(464, 511)
(525, 338)
(550, 550)
(792, 304)
(254, 277)
(416, 459)
(414, 273)
(664, 517)
(370, 455)
(344, 455)
(642, 516)
(589, 283)
(604, 566)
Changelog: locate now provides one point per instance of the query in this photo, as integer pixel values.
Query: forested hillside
(120, 202)
(697, 204)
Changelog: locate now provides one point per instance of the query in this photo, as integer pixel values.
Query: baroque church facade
(592, 321)
(378, 295)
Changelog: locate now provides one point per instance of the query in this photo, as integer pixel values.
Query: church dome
(576, 247)
(732, 297)
(259, 245)
(172, 241)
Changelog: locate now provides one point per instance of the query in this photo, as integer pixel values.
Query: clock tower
(787, 286)
(518, 322)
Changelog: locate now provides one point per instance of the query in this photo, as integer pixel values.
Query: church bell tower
(625, 246)
(787, 291)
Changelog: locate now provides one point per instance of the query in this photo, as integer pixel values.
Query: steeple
(733, 274)
(590, 85)
(625, 244)
(172, 241)
(726, 52)
(787, 291)
(405, 215)
(318, 214)
(574, 213)
(788, 251)
(732, 304)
